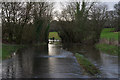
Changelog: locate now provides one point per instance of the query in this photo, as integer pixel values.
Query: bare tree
(42, 15)
(77, 14)
(98, 19)
(18, 17)
(10, 16)
(83, 22)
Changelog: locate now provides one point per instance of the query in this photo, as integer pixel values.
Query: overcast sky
(109, 4)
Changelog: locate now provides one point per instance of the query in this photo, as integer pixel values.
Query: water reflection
(108, 64)
(53, 49)
(57, 64)
(57, 61)
(20, 65)
(42, 62)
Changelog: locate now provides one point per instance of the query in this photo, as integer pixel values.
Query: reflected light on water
(53, 50)
(14, 53)
(56, 63)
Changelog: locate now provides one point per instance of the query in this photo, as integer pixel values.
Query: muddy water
(57, 61)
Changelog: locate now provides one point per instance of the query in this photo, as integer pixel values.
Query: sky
(109, 4)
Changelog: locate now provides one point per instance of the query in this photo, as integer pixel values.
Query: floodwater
(57, 61)
(107, 64)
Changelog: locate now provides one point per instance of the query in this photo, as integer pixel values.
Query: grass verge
(87, 65)
(8, 49)
(107, 33)
(55, 35)
(110, 49)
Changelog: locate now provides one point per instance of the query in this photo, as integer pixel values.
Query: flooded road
(43, 62)
(108, 64)
(57, 61)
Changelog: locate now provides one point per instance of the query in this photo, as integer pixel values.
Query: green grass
(108, 34)
(109, 49)
(87, 65)
(0, 51)
(55, 35)
(8, 49)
